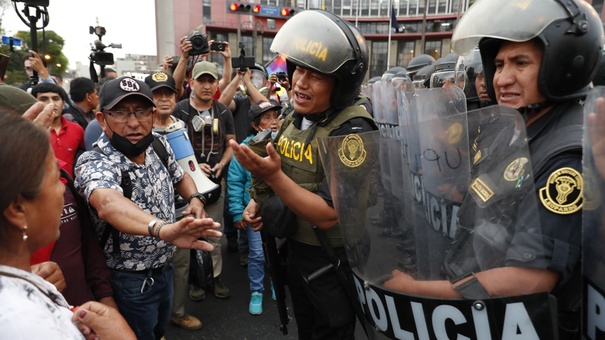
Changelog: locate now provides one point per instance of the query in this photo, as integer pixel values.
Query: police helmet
(321, 41)
(419, 62)
(422, 77)
(570, 33)
(444, 69)
(468, 68)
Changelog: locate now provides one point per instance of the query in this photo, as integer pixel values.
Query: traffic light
(287, 12)
(256, 9)
(239, 7)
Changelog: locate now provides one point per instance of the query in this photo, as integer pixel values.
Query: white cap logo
(129, 85)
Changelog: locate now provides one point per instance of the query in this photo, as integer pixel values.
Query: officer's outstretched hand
(596, 130)
(98, 321)
(400, 281)
(266, 168)
(185, 233)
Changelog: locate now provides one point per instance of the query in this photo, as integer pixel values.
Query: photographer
(280, 88)
(33, 62)
(210, 128)
(185, 63)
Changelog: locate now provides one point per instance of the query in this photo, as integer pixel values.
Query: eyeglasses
(122, 116)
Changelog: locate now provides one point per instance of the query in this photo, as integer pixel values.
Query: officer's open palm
(185, 233)
(265, 168)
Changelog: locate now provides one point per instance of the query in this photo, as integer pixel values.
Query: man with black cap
(129, 185)
(210, 128)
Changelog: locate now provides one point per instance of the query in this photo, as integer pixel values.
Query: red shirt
(66, 143)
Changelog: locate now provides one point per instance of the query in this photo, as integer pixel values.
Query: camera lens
(197, 42)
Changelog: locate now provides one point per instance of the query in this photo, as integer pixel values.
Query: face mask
(127, 148)
(273, 134)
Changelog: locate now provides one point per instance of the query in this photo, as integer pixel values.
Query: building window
(433, 48)
(267, 54)
(405, 52)
(379, 58)
(413, 9)
(206, 12)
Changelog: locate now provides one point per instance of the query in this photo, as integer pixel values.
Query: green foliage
(51, 44)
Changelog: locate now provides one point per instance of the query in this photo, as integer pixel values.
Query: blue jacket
(238, 183)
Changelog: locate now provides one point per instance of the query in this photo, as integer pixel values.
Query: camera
(281, 76)
(199, 43)
(217, 46)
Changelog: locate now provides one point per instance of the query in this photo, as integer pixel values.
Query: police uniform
(322, 305)
(549, 238)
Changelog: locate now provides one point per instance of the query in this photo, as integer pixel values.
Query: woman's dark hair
(24, 147)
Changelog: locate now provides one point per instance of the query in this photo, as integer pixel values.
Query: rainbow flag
(278, 64)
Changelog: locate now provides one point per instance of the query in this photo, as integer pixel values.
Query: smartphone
(217, 46)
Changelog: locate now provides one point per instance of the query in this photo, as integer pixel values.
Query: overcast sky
(129, 22)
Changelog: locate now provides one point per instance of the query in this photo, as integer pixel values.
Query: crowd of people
(100, 218)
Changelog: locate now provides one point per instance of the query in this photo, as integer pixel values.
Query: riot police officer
(327, 60)
(539, 59)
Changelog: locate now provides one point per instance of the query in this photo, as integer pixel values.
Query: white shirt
(32, 308)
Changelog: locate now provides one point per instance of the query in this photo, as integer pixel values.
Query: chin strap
(532, 109)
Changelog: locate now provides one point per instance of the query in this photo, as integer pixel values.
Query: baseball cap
(261, 107)
(160, 79)
(13, 98)
(204, 67)
(113, 91)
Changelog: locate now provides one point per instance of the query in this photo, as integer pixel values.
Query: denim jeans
(256, 261)
(144, 303)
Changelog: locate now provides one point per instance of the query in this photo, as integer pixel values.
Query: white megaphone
(183, 151)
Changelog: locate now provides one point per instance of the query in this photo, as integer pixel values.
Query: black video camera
(242, 61)
(199, 43)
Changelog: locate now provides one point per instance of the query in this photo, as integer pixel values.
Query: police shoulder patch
(562, 193)
(352, 152)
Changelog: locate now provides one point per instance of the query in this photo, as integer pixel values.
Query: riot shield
(593, 215)
(477, 211)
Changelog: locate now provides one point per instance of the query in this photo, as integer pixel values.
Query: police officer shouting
(327, 61)
(539, 59)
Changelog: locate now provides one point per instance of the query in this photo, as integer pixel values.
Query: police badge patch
(515, 169)
(563, 191)
(159, 77)
(454, 133)
(352, 152)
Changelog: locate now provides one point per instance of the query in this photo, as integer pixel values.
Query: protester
(138, 212)
(264, 116)
(31, 205)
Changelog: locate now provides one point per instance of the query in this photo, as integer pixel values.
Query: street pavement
(229, 319)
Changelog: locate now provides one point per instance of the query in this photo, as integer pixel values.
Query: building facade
(419, 26)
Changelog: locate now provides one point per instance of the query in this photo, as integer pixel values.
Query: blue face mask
(273, 134)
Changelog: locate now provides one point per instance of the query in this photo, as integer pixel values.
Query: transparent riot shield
(593, 215)
(377, 103)
(477, 212)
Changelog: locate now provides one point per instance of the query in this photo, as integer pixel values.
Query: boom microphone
(183, 151)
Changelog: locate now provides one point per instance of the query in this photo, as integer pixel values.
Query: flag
(394, 22)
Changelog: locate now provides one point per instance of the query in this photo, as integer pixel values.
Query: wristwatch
(199, 196)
